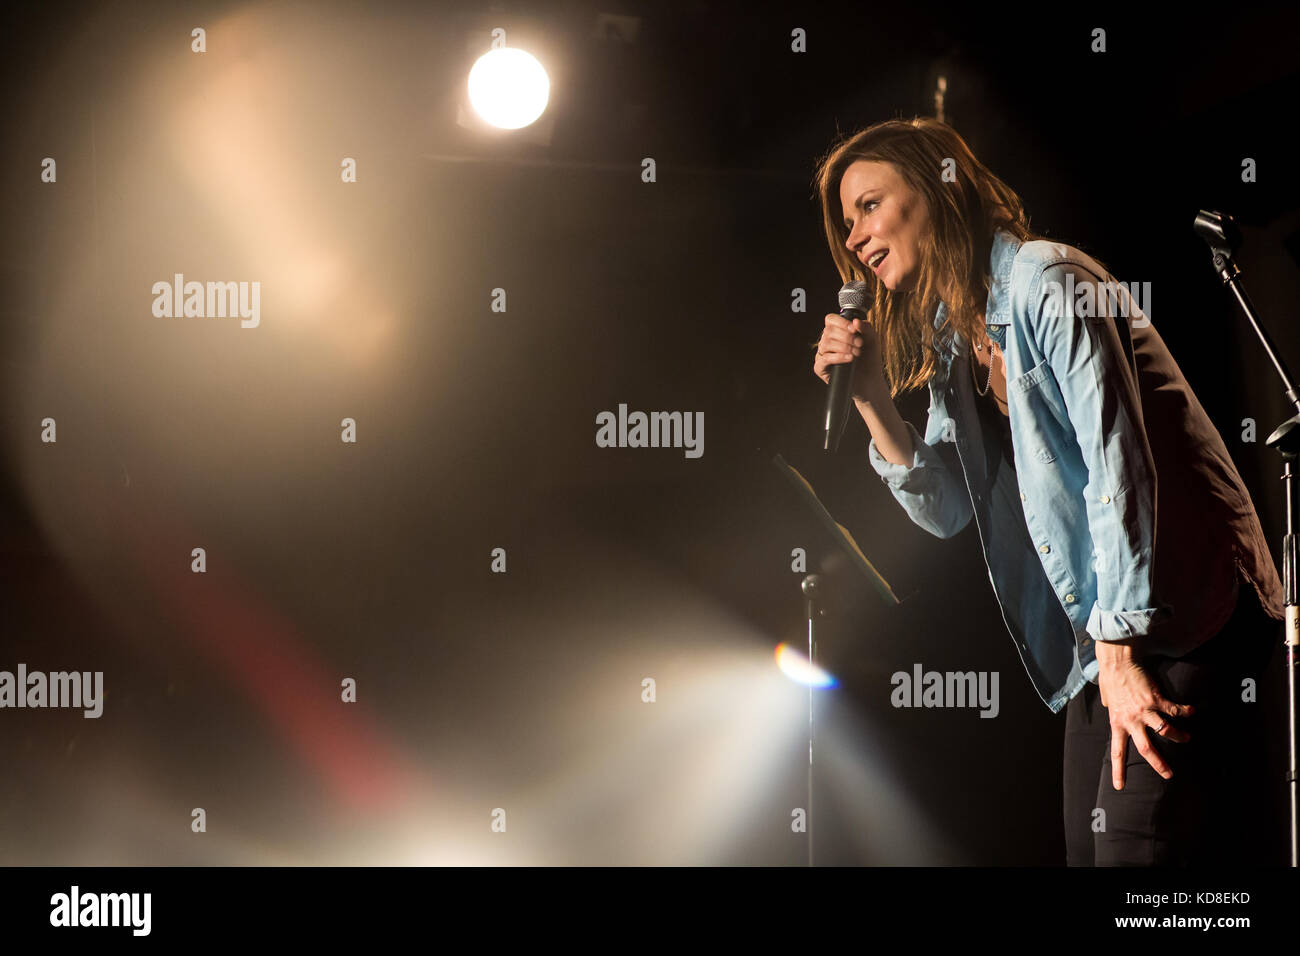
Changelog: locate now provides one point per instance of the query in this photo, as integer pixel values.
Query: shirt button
(1069, 599)
(1045, 548)
(1105, 499)
(1022, 496)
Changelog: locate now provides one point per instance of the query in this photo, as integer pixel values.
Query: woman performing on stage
(1122, 546)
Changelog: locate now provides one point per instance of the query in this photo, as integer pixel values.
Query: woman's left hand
(1134, 704)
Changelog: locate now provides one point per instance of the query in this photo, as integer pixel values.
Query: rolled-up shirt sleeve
(933, 497)
(1100, 391)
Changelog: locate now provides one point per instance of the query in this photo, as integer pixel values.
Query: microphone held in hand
(855, 299)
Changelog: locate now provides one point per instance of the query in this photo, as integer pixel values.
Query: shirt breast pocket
(1048, 426)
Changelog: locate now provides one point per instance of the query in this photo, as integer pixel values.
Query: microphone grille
(855, 295)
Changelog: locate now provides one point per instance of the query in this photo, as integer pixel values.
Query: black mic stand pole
(823, 593)
(812, 588)
(1221, 233)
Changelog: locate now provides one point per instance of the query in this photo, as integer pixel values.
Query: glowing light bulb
(508, 88)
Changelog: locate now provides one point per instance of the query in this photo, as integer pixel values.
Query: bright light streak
(801, 670)
(508, 88)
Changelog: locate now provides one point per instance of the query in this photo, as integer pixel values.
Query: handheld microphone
(855, 299)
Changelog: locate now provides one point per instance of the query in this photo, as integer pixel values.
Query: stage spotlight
(508, 88)
(801, 670)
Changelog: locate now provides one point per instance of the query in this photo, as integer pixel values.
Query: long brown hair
(964, 214)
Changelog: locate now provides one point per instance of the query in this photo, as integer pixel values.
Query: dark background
(328, 560)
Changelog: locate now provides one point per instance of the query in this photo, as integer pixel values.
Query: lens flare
(799, 669)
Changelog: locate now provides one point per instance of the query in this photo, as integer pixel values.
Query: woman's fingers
(1148, 750)
(1118, 743)
(824, 362)
(1159, 719)
(1161, 725)
(841, 335)
(1119, 738)
(834, 341)
(834, 344)
(1156, 721)
(842, 341)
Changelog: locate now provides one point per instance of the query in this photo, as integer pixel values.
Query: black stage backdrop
(362, 584)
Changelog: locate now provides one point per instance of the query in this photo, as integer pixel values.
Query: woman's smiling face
(884, 214)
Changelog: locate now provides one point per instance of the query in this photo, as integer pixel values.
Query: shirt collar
(997, 311)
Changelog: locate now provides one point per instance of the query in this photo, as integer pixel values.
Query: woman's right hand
(843, 341)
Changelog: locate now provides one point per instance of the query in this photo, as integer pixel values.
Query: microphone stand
(839, 571)
(1223, 237)
(812, 587)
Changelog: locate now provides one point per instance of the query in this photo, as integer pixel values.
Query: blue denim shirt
(1068, 524)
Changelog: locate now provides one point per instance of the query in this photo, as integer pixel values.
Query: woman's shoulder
(1044, 266)
(1038, 255)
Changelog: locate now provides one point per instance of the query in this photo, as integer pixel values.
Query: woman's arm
(933, 497)
(1100, 391)
(888, 430)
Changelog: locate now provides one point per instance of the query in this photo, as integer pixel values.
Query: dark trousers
(1224, 804)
